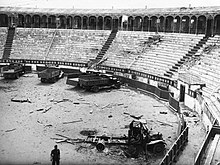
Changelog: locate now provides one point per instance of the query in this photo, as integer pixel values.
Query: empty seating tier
(3, 34)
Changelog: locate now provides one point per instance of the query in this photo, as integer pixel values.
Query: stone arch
(201, 26)
(107, 23)
(124, 22)
(61, 22)
(115, 23)
(20, 20)
(153, 24)
(85, 22)
(77, 22)
(146, 23)
(138, 23)
(185, 22)
(36, 21)
(161, 24)
(193, 25)
(44, 21)
(3, 20)
(210, 25)
(130, 23)
(217, 24)
(52, 21)
(176, 24)
(92, 22)
(100, 23)
(169, 24)
(69, 22)
(27, 21)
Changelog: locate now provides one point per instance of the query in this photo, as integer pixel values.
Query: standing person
(55, 156)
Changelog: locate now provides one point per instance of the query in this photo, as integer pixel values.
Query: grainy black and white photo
(109, 82)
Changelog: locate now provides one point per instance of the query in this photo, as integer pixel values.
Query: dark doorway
(209, 27)
(182, 93)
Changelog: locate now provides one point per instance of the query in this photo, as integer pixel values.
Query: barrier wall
(176, 148)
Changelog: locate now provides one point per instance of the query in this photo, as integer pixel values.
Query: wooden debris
(10, 130)
(59, 101)
(135, 117)
(73, 121)
(41, 109)
(163, 123)
(158, 105)
(20, 100)
(46, 109)
(105, 106)
(163, 112)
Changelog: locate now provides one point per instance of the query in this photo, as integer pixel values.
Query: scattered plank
(135, 117)
(20, 100)
(163, 112)
(163, 123)
(46, 109)
(41, 109)
(9, 130)
(69, 122)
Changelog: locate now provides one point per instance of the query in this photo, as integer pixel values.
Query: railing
(26, 61)
(141, 74)
(176, 148)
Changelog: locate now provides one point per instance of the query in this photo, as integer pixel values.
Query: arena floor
(28, 129)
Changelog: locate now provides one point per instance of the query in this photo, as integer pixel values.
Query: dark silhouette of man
(55, 156)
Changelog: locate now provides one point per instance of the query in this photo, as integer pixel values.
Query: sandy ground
(27, 129)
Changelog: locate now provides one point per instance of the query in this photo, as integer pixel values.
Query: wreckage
(139, 139)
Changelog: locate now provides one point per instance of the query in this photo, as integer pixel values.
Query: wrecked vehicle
(95, 81)
(51, 74)
(13, 70)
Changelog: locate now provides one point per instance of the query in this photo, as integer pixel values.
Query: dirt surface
(28, 128)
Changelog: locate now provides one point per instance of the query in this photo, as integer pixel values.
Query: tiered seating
(209, 67)
(126, 47)
(77, 45)
(129, 51)
(3, 34)
(31, 43)
(60, 44)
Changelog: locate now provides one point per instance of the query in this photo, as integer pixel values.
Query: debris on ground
(67, 139)
(163, 123)
(9, 130)
(20, 100)
(88, 132)
(135, 117)
(69, 122)
(163, 112)
(46, 109)
(59, 101)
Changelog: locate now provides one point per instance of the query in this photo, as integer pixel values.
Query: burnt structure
(198, 20)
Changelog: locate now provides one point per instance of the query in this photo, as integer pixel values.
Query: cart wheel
(95, 89)
(158, 148)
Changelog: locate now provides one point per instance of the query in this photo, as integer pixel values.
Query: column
(196, 25)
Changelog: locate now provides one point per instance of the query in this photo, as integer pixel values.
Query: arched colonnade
(195, 24)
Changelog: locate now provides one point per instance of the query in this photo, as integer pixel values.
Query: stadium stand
(3, 34)
(133, 50)
(31, 43)
(57, 44)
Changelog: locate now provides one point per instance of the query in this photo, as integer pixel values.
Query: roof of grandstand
(161, 11)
